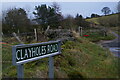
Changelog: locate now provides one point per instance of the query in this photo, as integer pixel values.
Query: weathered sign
(29, 52)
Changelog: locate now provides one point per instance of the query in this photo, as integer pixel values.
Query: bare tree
(56, 6)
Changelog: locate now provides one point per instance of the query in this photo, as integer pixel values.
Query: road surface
(113, 45)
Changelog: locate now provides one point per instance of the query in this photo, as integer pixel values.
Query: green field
(109, 20)
(79, 59)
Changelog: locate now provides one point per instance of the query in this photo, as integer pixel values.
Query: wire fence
(24, 37)
(38, 35)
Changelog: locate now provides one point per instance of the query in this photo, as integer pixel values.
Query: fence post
(14, 34)
(47, 29)
(35, 34)
(81, 31)
(2, 33)
(18, 31)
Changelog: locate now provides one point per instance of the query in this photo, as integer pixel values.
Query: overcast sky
(72, 8)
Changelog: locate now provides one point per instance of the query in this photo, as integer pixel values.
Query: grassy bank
(108, 20)
(98, 35)
(116, 29)
(79, 59)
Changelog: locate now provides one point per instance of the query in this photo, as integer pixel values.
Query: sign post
(20, 71)
(30, 52)
(51, 67)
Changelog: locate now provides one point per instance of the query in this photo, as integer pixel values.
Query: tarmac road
(113, 45)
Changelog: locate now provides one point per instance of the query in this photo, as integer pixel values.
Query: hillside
(113, 18)
(110, 21)
(79, 59)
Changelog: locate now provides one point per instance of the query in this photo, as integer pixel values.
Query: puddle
(115, 51)
(118, 49)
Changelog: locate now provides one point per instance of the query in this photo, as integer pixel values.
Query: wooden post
(47, 29)
(35, 34)
(14, 34)
(18, 31)
(2, 33)
(81, 31)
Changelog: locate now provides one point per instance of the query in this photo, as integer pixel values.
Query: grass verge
(79, 59)
(97, 36)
